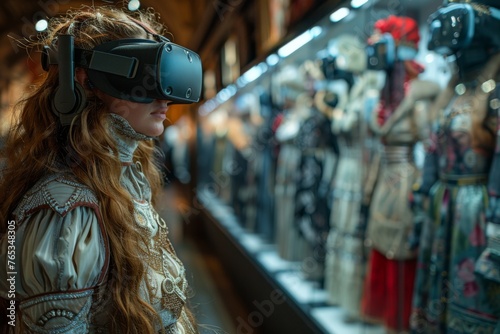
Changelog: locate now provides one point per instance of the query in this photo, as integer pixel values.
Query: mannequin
(400, 122)
(248, 104)
(458, 283)
(219, 122)
(266, 147)
(295, 109)
(346, 254)
(241, 133)
(319, 152)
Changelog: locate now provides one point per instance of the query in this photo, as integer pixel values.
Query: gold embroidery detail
(161, 257)
(140, 219)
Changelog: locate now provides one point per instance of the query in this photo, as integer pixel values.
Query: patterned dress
(289, 245)
(449, 297)
(346, 254)
(315, 174)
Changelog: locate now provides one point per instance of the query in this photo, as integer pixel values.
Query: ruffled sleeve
(60, 253)
(60, 259)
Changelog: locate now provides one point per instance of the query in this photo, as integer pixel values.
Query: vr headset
(383, 54)
(137, 70)
(331, 71)
(459, 26)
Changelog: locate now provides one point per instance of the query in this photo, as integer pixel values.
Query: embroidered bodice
(464, 151)
(62, 261)
(459, 152)
(165, 272)
(402, 115)
(348, 119)
(315, 133)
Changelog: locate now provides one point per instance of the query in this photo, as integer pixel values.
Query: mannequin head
(464, 29)
(404, 30)
(351, 55)
(394, 39)
(493, 3)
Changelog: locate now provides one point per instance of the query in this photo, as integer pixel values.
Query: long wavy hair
(37, 145)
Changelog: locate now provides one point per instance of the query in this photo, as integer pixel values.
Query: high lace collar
(127, 139)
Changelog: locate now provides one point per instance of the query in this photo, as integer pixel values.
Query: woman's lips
(160, 114)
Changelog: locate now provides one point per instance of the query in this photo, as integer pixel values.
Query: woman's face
(145, 118)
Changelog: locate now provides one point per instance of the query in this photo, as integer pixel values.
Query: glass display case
(308, 165)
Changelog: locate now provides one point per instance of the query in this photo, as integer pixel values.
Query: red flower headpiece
(403, 29)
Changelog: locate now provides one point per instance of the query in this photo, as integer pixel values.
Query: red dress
(388, 291)
(390, 278)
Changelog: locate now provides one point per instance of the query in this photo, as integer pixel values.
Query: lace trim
(123, 127)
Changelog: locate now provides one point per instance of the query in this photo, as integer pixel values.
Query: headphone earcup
(64, 110)
(81, 98)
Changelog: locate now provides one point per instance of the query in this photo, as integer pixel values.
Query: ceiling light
(226, 93)
(339, 14)
(299, 41)
(41, 25)
(133, 5)
(272, 59)
(358, 3)
(252, 74)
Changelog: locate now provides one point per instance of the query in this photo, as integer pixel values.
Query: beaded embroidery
(40, 196)
(158, 252)
(76, 318)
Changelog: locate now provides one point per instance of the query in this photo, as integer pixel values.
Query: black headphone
(69, 98)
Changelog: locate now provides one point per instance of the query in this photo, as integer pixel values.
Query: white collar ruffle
(127, 139)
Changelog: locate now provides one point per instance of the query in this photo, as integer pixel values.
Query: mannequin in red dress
(400, 121)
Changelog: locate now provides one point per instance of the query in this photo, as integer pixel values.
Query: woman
(91, 253)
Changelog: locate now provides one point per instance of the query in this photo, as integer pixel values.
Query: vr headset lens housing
(384, 53)
(460, 26)
(451, 29)
(161, 70)
(381, 54)
(140, 70)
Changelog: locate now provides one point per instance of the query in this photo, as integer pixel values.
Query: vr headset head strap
(94, 60)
